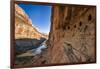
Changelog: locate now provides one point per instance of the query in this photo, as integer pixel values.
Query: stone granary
(75, 25)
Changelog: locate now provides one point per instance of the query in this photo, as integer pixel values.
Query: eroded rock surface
(72, 34)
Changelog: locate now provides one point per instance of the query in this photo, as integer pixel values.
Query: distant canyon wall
(24, 27)
(72, 34)
(26, 34)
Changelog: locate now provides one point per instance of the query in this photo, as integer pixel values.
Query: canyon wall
(72, 34)
(27, 36)
(24, 27)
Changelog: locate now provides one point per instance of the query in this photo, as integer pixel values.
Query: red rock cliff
(72, 35)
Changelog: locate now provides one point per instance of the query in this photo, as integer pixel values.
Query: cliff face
(24, 27)
(72, 35)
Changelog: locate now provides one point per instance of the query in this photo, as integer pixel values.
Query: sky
(40, 16)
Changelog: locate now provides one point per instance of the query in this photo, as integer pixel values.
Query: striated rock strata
(24, 27)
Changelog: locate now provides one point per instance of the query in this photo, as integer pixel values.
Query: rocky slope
(72, 35)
